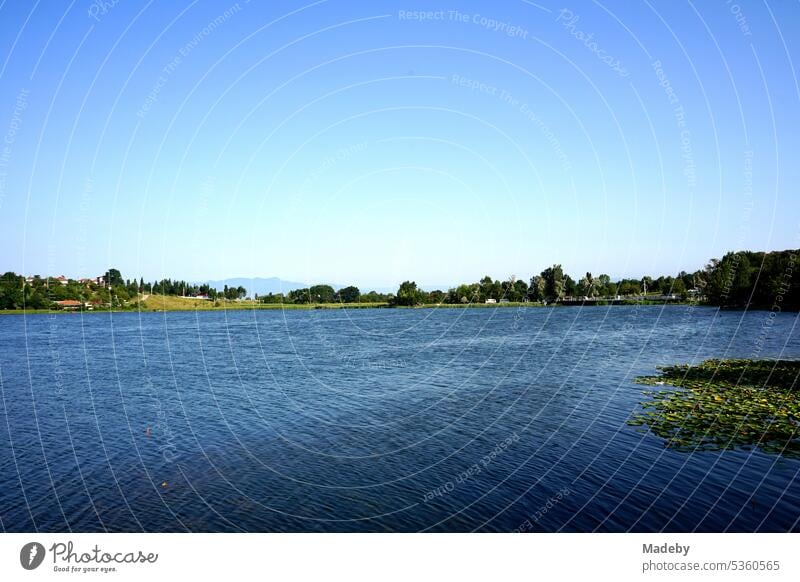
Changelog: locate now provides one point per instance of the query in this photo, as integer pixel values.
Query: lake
(492, 420)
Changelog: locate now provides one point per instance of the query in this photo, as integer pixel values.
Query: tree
(11, 295)
(374, 297)
(520, 290)
(272, 298)
(321, 294)
(234, 293)
(101, 297)
(114, 278)
(554, 283)
(121, 293)
(435, 297)
(744, 285)
(408, 294)
(513, 290)
(349, 294)
(628, 287)
(587, 287)
(604, 285)
(35, 298)
(537, 289)
(570, 286)
(489, 288)
(467, 293)
(299, 296)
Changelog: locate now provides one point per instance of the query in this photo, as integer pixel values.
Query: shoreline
(338, 306)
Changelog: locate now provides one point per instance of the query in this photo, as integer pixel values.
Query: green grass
(725, 404)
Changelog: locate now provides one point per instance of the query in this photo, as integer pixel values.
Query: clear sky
(368, 143)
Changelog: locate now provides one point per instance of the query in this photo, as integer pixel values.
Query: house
(69, 304)
(61, 279)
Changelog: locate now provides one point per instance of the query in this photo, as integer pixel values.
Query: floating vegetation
(725, 404)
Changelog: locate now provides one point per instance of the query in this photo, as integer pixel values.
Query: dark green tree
(555, 284)
(588, 286)
(114, 278)
(435, 297)
(537, 290)
(11, 291)
(350, 294)
(321, 294)
(408, 294)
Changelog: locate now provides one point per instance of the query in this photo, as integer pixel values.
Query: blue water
(372, 420)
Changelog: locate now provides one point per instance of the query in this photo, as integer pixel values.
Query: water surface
(372, 420)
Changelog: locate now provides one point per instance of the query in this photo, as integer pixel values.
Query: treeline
(739, 279)
(550, 286)
(184, 289)
(742, 279)
(108, 290)
(767, 280)
(326, 294)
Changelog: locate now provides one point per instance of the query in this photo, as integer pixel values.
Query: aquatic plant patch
(725, 404)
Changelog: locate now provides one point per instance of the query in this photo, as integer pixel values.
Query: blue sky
(372, 142)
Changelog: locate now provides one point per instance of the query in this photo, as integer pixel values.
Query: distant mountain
(259, 285)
